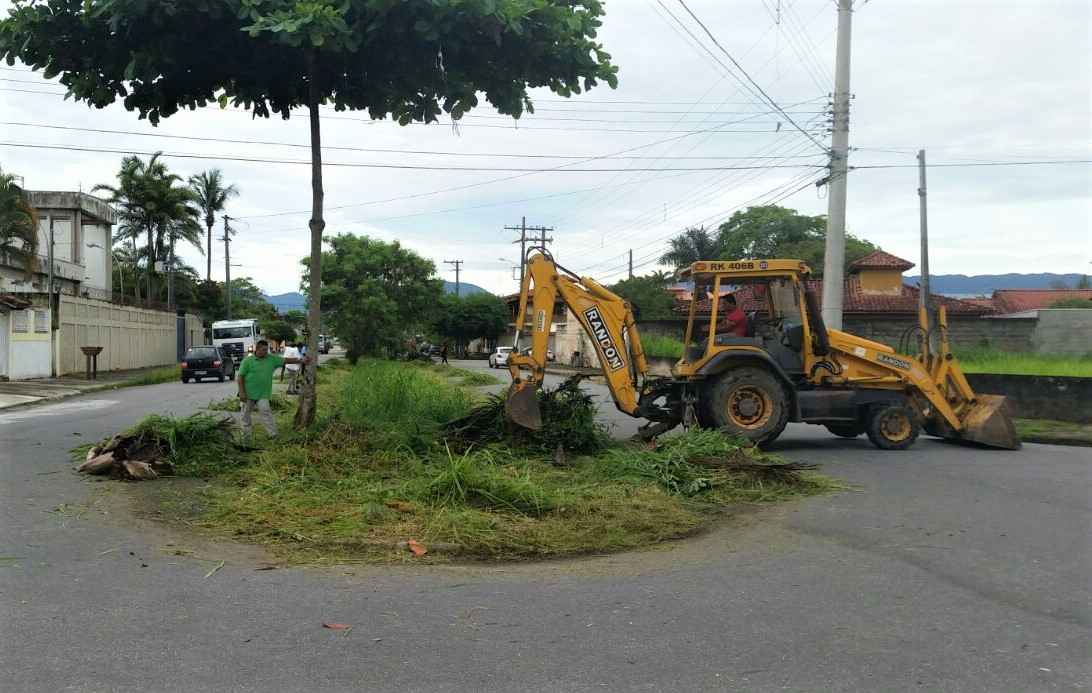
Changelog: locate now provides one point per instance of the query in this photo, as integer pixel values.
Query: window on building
(41, 321)
(20, 321)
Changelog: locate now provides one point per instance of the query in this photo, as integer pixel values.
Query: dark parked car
(207, 362)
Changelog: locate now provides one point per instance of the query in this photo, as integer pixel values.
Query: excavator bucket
(522, 407)
(988, 423)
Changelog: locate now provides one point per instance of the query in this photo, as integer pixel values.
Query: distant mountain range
(986, 284)
(464, 288)
(294, 300)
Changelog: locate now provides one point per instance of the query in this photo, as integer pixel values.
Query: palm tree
(696, 243)
(212, 197)
(150, 202)
(18, 224)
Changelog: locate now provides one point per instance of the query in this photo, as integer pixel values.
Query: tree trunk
(305, 414)
(208, 250)
(136, 273)
(170, 276)
(151, 264)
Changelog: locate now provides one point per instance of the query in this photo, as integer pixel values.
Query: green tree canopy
(211, 195)
(277, 330)
(410, 60)
(648, 295)
(771, 231)
(375, 292)
(463, 319)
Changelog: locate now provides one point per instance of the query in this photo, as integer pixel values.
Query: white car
(499, 357)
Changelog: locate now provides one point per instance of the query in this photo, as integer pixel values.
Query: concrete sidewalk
(14, 393)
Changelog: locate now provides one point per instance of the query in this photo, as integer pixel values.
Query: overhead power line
(739, 67)
(349, 164)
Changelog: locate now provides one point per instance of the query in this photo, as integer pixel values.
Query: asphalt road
(946, 569)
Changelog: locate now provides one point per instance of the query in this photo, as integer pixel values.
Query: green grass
(993, 361)
(660, 346)
(277, 402)
(1046, 431)
(377, 470)
(166, 374)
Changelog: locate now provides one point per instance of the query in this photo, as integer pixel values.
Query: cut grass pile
(1012, 363)
(659, 346)
(378, 471)
(1054, 432)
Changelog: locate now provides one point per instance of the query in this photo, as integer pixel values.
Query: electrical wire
(768, 98)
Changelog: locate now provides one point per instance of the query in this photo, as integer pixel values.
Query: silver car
(499, 358)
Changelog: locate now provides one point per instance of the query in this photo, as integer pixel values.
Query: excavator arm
(606, 318)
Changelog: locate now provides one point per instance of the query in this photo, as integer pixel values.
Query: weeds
(399, 406)
(167, 374)
(660, 346)
(985, 360)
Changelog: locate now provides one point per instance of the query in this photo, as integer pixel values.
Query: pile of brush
(568, 423)
(152, 449)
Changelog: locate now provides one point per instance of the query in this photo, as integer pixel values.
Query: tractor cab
(756, 309)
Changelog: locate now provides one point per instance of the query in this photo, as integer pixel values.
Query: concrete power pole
(631, 263)
(227, 266)
(924, 234)
(458, 264)
(834, 259)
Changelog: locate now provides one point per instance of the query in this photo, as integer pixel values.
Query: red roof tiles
(878, 259)
(1020, 300)
(857, 301)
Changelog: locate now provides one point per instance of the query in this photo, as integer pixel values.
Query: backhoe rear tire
(748, 402)
(892, 426)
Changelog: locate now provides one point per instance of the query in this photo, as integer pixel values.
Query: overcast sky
(969, 80)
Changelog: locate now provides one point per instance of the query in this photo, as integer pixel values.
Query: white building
(80, 227)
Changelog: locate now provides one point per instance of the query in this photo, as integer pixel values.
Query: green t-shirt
(257, 375)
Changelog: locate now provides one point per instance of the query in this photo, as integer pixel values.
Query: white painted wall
(29, 355)
(5, 343)
(95, 259)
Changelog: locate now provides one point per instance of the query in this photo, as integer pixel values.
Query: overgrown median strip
(380, 468)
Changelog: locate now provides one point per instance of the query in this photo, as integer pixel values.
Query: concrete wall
(1063, 331)
(96, 256)
(1005, 334)
(1039, 396)
(130, 337)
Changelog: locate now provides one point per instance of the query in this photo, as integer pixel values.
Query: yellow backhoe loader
(787, 367)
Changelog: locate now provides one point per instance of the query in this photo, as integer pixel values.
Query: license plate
(200, 372)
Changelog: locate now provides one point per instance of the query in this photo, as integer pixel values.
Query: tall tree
(375, 292)
(212, 197)
(648, 295)
(770, 231)
(695, 243)
(18, 224)
(410, 60)
(151, 201)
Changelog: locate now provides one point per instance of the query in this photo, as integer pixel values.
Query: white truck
(236, 337)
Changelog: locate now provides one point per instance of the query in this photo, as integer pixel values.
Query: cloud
(968, 81)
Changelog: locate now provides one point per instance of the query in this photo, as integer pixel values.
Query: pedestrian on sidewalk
(292, 352)
(443, 353)
(256, 386)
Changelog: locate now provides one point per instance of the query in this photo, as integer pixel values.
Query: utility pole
(50, 253)
(834, 259)
(631, 263)
(523, 228)
(924, 292)
(458, 264)
(227, 265)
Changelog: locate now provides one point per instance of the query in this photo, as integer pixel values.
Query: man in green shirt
(256, 385)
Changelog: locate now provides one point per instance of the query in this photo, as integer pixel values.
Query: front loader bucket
(989, 423)
(522, 407)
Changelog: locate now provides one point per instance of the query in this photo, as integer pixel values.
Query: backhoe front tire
(892, 426)
(748, 402)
